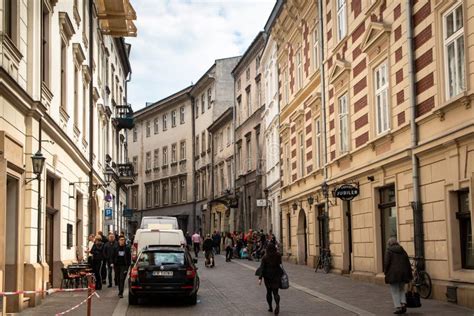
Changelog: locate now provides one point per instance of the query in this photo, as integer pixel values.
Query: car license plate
(163, 273)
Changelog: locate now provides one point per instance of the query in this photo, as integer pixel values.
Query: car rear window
(159, 223)
(159, 258)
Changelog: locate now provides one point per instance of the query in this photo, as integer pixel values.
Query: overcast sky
(178, 40)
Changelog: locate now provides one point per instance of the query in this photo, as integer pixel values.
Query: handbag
(284, 281)
(258, 272)
(413, 299)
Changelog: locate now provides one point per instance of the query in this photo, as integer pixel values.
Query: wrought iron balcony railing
(124, 117)
(125, 173)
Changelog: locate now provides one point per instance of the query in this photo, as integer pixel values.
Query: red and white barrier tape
(49, 292)
(77, 306)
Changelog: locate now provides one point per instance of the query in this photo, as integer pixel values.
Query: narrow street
(232, 289)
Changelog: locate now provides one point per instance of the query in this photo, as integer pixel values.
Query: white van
(159, 222)
(159, 237)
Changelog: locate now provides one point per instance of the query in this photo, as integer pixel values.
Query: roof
(165, 100)
(252, 49)
(203, 79)
(224, 117)
(273, 15)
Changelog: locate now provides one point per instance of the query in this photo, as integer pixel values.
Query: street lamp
(38, 164)
(294, 206)
(108, 175)
(310, 200)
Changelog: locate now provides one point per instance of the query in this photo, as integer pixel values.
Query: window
(286, 87)
(229, 136)
(45, 38)
(249, 154)
(229, 174)
(182, 150)
(198, 187)
(182, 189)
(135, 164)
(343, 124)
(239, 160)
(174, 191)
(155, 125)
(85, 94)
(341, 19)
(388, 214)
(239, 110)
(156, 156)
(76, 96)
(315, 48)
(203, 103)
(465, 229)
(381, 98)
(166, 198)
(203, 186)
(69, 236)
(302, 155)
(10, 17)
(173, 118)
(203, 142)
(222, 178)
(148, 195)
(63, 76)
(248, 95)
(209, 98)
(287, 163)
(135, 134)
(454, 51)
(148, 129)
(148, 161)
(319, 145)
(197, 144)
(181, 115)
(299, 70)
(165, 155)
(134, 197)
(156, 193)
(165, 120)
(288, 228)
(238, 84)
(174, 158)
(197, 108)
(259, 93)
(247, 74)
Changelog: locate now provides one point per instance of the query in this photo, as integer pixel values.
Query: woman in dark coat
(271, 272)
(97, 252)
(397, 269)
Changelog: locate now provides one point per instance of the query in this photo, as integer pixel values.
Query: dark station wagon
(164, 270)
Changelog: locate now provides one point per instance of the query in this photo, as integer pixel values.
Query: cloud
(178, 40)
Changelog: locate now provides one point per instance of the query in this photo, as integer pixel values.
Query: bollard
(90, 289)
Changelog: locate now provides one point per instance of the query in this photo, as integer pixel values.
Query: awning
(116, 17)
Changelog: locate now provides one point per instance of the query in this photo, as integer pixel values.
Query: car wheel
(132, 299)
(192, 300)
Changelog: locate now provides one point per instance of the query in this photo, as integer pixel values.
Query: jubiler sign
(346, 192)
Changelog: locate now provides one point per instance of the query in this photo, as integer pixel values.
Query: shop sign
(261, 202)
(127, 212)
(346, 192)
(108, 213)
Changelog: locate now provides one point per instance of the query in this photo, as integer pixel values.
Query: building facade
(249, 151)
(212, 95)
(388, 116)
(222, 191)
(160, 148)
(62, 79)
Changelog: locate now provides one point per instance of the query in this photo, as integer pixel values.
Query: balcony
(125, 173)
(116, 17)
(124, 117)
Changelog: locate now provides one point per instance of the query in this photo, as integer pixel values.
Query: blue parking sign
(108, 213)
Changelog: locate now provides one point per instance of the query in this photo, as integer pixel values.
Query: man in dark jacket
(103, 271)
(97, 252)
(122, 262)
(207, 247)
(109, 253)
(397, 269)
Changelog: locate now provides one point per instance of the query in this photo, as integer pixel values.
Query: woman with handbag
(397, 271)
(271, 272)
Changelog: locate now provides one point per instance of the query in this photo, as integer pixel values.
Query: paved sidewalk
(359, 297)
(60, 302)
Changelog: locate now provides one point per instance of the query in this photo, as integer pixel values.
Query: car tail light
(133, 274)
(134, 251)
(190, 273)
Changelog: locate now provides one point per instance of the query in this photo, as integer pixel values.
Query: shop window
(69, 236)
(388, 214)
(463, 216)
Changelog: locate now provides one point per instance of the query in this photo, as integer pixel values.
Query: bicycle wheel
(423, 284)
(327, 265)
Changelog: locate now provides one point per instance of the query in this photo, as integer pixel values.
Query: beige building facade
(55, 99)
(160, 148)
(397, 119)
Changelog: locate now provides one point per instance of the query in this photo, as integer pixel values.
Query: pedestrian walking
(98, 261)
(122, 262)
(229, 243)
(397, 271)
(90, 244)
(109, 253)
(207, 246)
(189, 241)
(103, 271)
(271, 272)
(196, 239)
(216, 238)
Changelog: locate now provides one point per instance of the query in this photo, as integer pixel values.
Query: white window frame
(173, 118)
(301, 147)
(341, 28)
(155, 125)
(315, 48)
(182, 150)
(165, 119)
(382, 107)
(343, 116)
(174, 153)
(156, 158)
(148, 160)
(459, 84)
(181, 117)
(318, 139)
(148, 129)
(165, 155)
(299, 69)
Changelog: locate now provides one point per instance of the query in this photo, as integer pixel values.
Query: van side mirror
(195, 260)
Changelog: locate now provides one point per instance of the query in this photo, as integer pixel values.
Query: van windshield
(159, 223)
(158, 258)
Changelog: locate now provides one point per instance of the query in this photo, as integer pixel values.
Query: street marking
(324, 297)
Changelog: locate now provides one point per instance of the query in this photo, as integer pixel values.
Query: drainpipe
(416, 205)
(126, 146)
(38, 233)
(91, 112)
(234, 123)
(323, 107)
(193, 177)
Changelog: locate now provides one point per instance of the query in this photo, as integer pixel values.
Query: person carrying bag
(271, 272)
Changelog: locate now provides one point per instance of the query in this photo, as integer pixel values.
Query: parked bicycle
(324, 261)
(421, 278)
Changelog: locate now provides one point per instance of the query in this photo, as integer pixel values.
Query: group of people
(109, 256)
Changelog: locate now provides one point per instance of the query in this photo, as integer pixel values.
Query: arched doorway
(302, 234)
